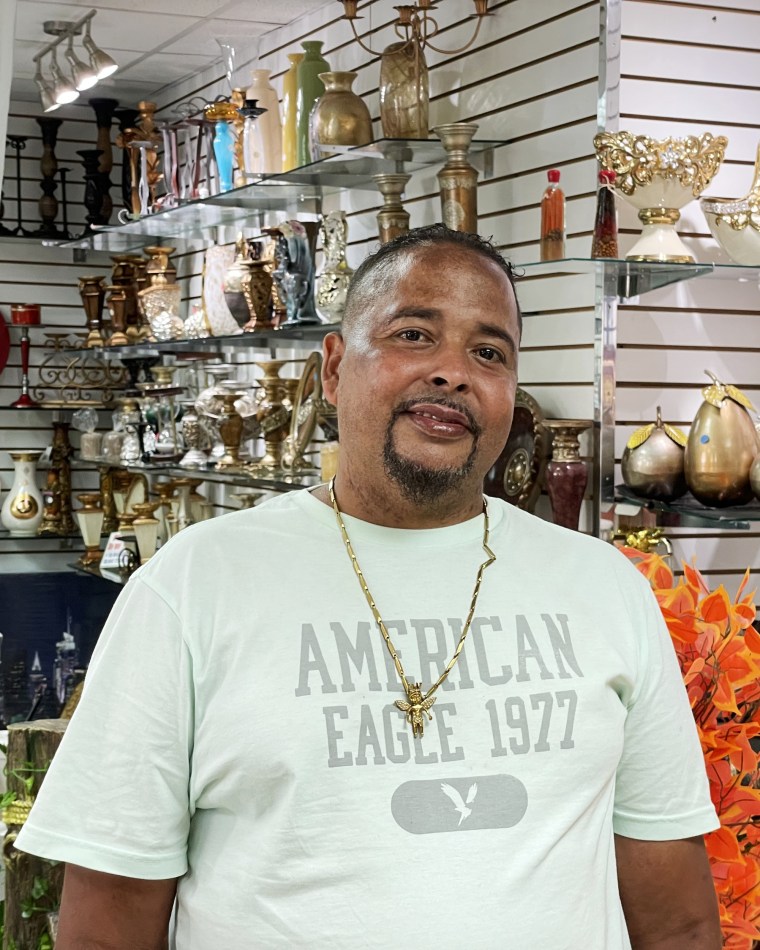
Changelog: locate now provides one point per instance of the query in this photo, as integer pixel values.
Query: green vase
(310, 88)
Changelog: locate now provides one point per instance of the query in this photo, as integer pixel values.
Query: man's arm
(667, 893)
(108, 912)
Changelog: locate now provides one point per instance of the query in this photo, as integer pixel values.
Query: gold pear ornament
(653, 461)
(722, 446)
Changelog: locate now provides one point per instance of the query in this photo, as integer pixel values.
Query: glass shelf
(625, 279)
(66, 538)
(282, 482)
(111, 576)
(213, 344)
(301, 189)
(694, 513)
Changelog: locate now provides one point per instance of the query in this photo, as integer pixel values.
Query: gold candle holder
(274, 418)
(90, 517)
(392, 218)
(231, 431)
(145, 527)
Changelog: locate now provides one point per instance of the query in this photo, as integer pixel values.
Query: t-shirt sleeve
(661, 789)
(115, 798)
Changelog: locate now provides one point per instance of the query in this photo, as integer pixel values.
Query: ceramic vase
(566, 473)
(458, 180)
(289, 114)
(310, 88)
(269, 124)
(404, 91)
(335, 276)
(339, 117)
(22, 509)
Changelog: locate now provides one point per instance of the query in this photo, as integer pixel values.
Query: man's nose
(451, 370)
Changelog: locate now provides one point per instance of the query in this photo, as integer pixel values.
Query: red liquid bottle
(605, 240)
(553, 219)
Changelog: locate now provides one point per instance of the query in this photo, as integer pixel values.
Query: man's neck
(386, 505)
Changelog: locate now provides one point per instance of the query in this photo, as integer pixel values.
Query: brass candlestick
(393, 218)
(273, 416)
(93, 293)
(231, 431)
(458, 180)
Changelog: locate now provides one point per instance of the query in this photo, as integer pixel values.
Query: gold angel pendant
(416, 709)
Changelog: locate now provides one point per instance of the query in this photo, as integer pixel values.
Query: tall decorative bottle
(553, 219)
(268, 124)
(289, 114)
(310, 88)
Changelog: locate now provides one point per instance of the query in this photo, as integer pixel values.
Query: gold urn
(653, 461)
(723, 444)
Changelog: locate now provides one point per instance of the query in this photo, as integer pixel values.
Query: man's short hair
(378, 268)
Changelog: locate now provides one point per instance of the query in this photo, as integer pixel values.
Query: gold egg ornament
(722, 446)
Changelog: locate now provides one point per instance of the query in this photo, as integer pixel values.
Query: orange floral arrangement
(719, 652)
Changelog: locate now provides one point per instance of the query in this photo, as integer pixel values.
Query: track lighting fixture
(101, 62)
(60, 90)
(63, 89)
(84, 76)
(46, 92)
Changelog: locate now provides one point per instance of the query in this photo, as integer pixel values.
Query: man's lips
(440, 414)
(439, 421)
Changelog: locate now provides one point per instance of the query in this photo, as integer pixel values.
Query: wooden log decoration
(32, 885)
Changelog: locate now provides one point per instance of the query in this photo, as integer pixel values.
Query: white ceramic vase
(268, 126)
(22, 510)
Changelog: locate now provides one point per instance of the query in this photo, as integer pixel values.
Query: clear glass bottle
(553, 219)
(605, 240)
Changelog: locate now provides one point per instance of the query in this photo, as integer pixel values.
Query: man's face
(425, 380)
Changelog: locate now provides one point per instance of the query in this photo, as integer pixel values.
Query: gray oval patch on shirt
(472, 804)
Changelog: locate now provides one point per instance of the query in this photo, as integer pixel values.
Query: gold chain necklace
(419, 702)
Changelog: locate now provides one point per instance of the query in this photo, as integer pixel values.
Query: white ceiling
(153, 45)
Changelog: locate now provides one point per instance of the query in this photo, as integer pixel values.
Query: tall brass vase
(404, 91)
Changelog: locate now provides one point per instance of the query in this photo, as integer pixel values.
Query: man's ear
(333, 348)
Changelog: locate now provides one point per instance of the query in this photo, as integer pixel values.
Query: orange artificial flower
(719, 653)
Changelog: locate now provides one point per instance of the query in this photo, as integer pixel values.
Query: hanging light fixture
(84, 76)
(63, 89)
(46, 91)
(101, 62)
(60, 90)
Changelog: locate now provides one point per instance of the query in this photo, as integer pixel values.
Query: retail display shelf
(111, 576)
(299, 190)
(66, 539)
(692, 512)
(265, 339)
(625, 279)
(280, 482)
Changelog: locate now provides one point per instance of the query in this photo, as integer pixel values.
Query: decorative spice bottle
(605, 240)
(553, 219)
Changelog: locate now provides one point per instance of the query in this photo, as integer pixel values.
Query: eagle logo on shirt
(459, 803)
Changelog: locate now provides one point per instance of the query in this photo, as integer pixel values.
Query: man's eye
(490, 354)
(412, 335)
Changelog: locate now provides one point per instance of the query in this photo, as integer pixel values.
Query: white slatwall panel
(36, 274)
(690, 67)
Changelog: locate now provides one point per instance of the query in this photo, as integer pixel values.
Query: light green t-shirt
(237, 730)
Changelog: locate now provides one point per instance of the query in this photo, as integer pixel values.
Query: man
(382, 714)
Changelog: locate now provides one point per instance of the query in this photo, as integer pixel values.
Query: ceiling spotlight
(46, 91)
(101, 62)
(63, 89)
(84, 76)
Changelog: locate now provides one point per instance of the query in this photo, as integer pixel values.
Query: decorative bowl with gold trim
(659, 177)
(735, 222)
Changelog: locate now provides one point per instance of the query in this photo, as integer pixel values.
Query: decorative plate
(216, 260)
(518, 473)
